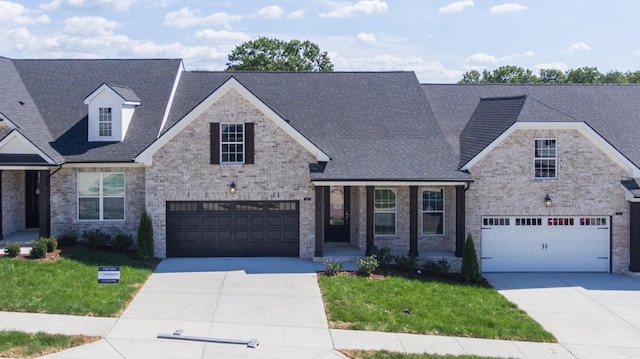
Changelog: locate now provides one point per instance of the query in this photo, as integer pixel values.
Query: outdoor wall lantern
(547, 201)
(232, 187)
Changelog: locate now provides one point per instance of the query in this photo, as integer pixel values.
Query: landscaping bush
(51, 243)
(38, 249)
(144, 237)
(367, 265)
(122, 242)
(332, 267)
(383, 255)
(96, 238)
(406, 262)
(12, 250)
(68, 237)
(441, 266)
(470, 270)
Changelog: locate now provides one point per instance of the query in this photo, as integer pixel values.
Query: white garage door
(545, 244)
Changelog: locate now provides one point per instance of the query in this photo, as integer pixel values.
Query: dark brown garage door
(233, 229)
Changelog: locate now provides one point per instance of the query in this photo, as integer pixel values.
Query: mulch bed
(381, 273)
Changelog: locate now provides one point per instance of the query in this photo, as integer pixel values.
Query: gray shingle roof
(58, 87)
(613, 111)
(374, 126)
(125, 92)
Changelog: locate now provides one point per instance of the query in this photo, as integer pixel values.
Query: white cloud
(298, 14)
(455, 6)
(578, 46)
(366, 7)
(271, 12)
(88, 26)
(13, 13)
(505, 8)
(365, 37)
(186, 17)
(222, 36)
(481, 57)
(117, 5)
(53, 5)
(551, 65)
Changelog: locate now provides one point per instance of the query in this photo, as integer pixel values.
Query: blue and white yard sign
(108, 274)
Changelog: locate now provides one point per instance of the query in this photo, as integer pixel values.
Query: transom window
(105, 122)
(384, 212)
(232, 143)
(100, 196)
(545, 158)
(432, 212)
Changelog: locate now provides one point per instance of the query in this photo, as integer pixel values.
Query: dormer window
(111, 109)
(105, 122)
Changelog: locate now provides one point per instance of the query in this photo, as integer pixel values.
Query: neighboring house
(280, 164)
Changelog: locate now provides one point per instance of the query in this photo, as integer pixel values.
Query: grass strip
(14, 344)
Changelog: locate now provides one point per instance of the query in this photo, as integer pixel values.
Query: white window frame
(426, 211)
(394, 212)
(241, 143)
(105, 117)
(545, 158)
(101, 198)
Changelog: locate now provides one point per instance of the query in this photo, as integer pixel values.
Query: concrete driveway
(593, 315)
(275, 300)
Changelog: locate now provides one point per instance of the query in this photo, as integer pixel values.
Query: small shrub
(144, 237)
(38, 249)
(367, 265)
(441, 266)
(332, 267)
(96, 238)
(383, 255)
(470, 271)
(406, 262)
(122, 242)
(68, 237)
(12, 250)
(51, 243)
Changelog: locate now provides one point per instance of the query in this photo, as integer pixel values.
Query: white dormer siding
(121, 101)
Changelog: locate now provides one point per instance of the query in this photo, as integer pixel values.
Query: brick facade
(64, 201)
(182, 171)
(588, 183)
(13, 202)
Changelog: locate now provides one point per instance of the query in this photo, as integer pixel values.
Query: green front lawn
(425, 306)
(358, 354)
(26, 345)
(69, 285)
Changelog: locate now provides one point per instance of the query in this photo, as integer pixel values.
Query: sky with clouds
(438, 39)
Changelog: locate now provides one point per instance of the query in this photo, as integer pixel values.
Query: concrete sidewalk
(276, 300)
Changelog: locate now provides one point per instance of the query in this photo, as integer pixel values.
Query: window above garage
(545, 159)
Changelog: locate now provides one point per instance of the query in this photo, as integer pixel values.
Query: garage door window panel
(101, 196)
(545, 158)
(384, 212)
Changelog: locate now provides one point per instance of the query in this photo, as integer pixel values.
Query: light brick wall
(13, 202)
(182, 171)
(64, 201)
(400, 242)
(588, 184)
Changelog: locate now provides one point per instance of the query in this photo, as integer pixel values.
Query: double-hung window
(545, 160)
(105, 122)
(432, 212)
(100, 196)
(384, 212)
(232, 143)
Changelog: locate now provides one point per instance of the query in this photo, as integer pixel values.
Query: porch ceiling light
(232, 187)
(547, 201)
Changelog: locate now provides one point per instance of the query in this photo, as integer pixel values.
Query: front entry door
(32, 188)
(337, 208)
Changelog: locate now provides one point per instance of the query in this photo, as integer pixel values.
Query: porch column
(319, 220)
(370, 220)
(413, 221)
(460, 220)
(634, 236)
(44, 205)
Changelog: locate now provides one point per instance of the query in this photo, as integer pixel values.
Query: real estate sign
(108, 274)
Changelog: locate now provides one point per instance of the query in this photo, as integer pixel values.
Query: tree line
(516, 74)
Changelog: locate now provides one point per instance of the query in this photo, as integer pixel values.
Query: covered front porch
(421, 219)
(24, 201)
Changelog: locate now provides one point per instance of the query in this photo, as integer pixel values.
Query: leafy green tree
(552, 76)
(264, 54)
(584, 75)
(470, 77)
(501, 75)
(614, 77)
(633, 77)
